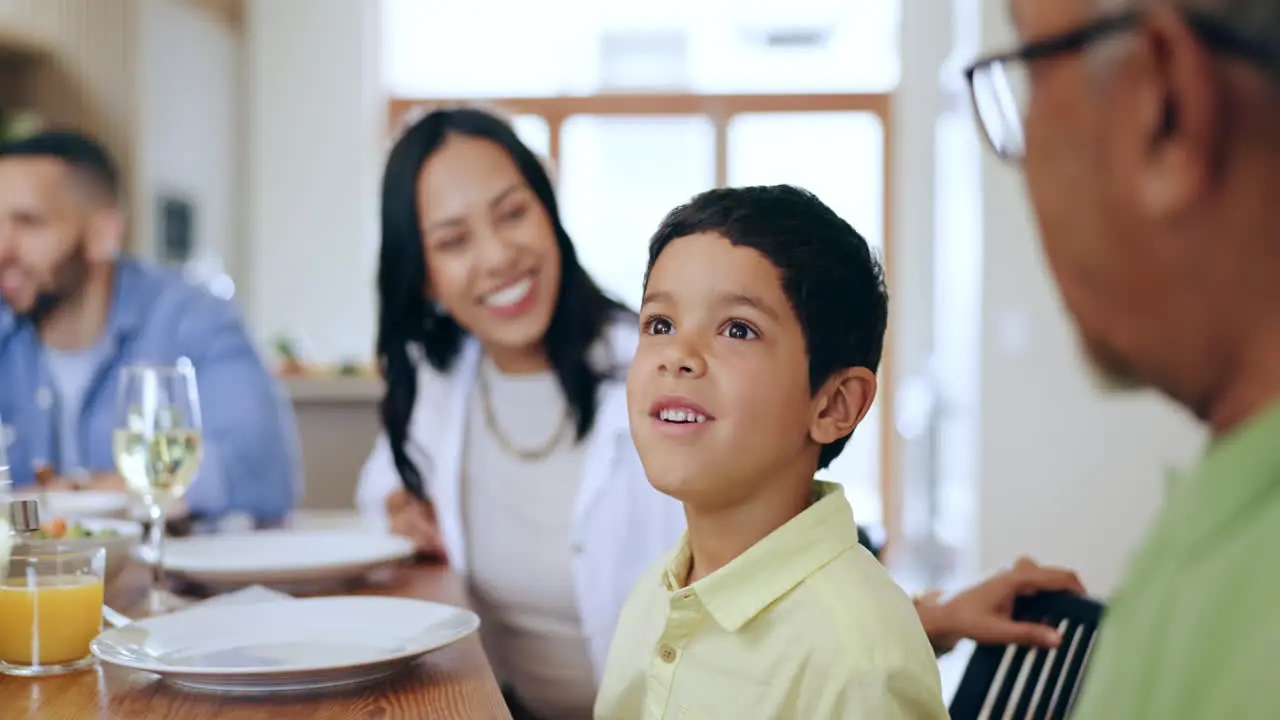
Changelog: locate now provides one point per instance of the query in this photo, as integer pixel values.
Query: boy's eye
(738, 330)
(658, 326)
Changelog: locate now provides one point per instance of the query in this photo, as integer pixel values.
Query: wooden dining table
(453, 682)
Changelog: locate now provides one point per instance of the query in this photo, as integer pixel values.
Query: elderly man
(1149, 133)
(73, 311)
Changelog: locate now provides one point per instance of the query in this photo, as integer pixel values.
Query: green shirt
(1194, 630)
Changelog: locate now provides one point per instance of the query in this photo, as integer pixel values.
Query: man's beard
(68, 281)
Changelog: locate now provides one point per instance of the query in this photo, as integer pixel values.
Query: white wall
(1067, 475)
(316, 123)
(155, 80)
(92, 81)
(189, 124)
(559, 46)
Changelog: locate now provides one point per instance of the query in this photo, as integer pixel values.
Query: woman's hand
(984, 612)
(416, 519)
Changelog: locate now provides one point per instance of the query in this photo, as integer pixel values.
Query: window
(509, 48)
(533, 131)
(838, 156)
(618, 176)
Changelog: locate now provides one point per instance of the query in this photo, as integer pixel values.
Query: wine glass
(157, 450)
(6, 499)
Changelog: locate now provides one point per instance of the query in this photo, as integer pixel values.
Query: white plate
(73, 505)
(285, 645)
(329, 520)
(279, 557)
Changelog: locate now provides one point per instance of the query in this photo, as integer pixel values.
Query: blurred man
(74, 311)
(1149, 133)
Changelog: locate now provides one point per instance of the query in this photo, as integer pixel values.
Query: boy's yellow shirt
(805, 624)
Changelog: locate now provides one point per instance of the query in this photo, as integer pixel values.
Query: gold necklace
(491, 421)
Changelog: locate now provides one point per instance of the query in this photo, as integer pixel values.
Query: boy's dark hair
(834, 283)
(85, 157)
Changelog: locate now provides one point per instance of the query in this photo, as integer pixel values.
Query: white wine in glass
(161, 465)
(157, 450)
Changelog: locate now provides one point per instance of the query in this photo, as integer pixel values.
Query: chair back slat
(1008, 682)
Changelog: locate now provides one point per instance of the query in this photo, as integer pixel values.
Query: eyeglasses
(1000, 85)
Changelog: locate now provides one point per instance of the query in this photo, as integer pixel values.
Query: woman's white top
(618, 524)
(517, 516)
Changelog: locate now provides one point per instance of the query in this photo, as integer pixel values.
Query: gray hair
(1255, 19)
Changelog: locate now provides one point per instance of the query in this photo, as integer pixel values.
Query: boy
(761, 328)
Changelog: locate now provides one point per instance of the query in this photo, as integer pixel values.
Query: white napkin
(244, 596)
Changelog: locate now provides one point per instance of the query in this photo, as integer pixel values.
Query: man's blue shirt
(251, 455)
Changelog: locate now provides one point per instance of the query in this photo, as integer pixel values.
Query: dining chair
(1010, 682)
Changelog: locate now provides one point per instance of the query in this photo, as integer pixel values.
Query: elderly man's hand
(984, 612)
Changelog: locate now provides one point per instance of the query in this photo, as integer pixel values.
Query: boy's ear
(841, 403)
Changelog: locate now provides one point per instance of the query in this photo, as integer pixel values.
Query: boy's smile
(677, 416)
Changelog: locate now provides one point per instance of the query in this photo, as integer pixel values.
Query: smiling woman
(506, 447)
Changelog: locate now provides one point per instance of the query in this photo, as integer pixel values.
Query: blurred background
(253, 131)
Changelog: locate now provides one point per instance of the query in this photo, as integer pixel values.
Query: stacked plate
(80, 504)
(279, 557)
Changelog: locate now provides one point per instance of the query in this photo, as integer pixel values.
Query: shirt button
(667, 653)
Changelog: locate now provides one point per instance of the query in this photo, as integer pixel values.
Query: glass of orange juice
(50, 609)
